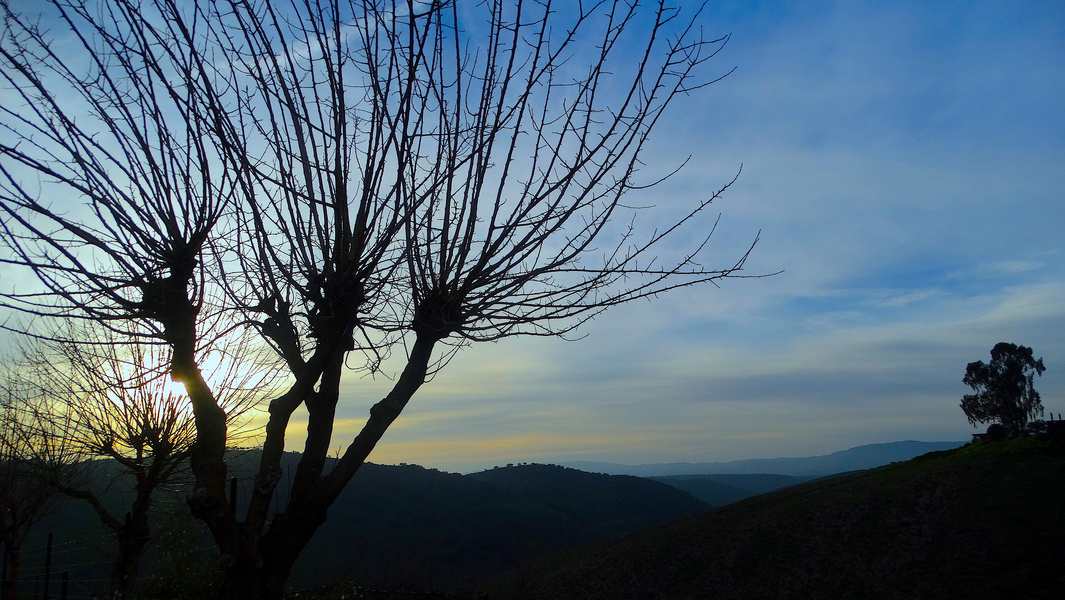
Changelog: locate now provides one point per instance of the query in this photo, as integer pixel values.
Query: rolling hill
(981, 522)
(407, 525)
(397, 526)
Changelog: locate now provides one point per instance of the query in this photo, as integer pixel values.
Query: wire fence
(71, 569)
(81, 567)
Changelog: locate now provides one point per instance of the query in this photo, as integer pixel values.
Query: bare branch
(341, 179)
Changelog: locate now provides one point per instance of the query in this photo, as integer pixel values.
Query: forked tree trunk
(263, 573)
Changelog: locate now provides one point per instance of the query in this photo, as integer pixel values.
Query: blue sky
(905, 164)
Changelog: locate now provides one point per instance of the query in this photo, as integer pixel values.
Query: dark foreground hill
(411, 526)
(397, 526)
(984, 521)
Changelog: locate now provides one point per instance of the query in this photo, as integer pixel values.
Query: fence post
(3, 577)
(66, 585)
(47, 565)
(125, 552)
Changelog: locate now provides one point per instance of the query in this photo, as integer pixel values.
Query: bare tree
(25, 496)
(341, 177)
(94, 395)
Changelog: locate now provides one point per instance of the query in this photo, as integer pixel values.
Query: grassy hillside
(983, 521)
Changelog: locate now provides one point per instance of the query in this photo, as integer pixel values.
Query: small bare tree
(93, 396)
(340, 177)
(25, 496)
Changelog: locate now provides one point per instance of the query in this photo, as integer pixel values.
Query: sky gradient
(904, 163)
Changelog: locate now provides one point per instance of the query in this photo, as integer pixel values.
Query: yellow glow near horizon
(232, 379)
(459, 453)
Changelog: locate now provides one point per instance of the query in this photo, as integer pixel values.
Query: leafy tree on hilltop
(1004, 389)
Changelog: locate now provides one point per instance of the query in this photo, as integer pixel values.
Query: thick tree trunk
(208, 501)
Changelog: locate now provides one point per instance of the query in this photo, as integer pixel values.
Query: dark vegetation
(593, 505)
(982, 521)
(1004, 389)
(408, 525)
(401, 527)
(178, 561)
(719, 490)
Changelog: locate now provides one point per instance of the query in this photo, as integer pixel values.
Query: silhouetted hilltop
(400, 526)
(602, 502)
(407, 525)
(980, 522)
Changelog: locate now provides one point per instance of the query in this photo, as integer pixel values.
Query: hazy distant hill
(980, 522)
(861, 457)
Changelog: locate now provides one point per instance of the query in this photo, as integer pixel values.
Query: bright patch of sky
(905, 164)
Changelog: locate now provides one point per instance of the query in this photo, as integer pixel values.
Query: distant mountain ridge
(854, 459)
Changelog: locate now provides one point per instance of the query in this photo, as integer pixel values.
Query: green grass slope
(984, 521)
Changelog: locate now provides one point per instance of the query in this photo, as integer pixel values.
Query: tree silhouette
(348, 179)
(86, 394)
(1005, 393)
(25, 496)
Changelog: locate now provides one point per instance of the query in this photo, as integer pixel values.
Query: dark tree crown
(1005, 392)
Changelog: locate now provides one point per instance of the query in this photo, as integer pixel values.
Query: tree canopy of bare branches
(25, 496)
(345, 179)
(82, 394)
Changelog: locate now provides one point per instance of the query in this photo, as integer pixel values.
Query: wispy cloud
(905, 164)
